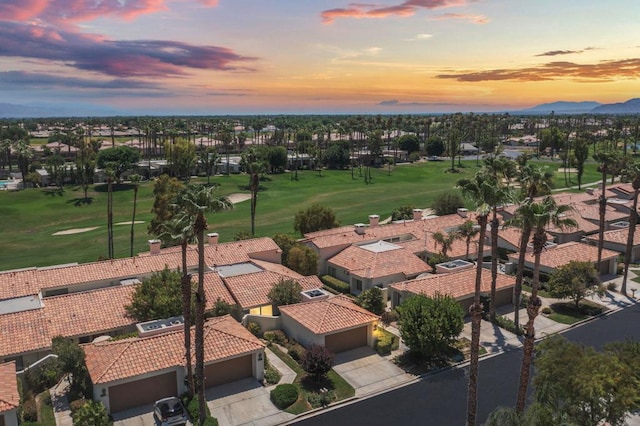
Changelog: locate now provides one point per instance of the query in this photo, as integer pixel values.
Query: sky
(318, 56)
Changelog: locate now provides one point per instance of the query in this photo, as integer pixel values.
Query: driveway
(368, 372)
(139, 416)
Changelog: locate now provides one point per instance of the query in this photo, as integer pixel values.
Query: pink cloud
(407, 8)
(21, 9)
(478, 19)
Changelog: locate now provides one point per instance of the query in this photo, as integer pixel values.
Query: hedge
(336, 284)
(284, 395)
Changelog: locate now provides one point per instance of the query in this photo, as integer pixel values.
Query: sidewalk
(60, 403)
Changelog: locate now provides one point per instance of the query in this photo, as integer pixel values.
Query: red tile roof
(122, 359)
(328, 316)
(24, 332)
(9, 396)
(367, 264)
(562, 254)
(250, 290)
(618, 236)
(459, 285)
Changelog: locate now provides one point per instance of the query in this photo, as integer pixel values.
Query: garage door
(604, 267)
(1, 419)
(346, 340)
(142, 392)
(228, 371)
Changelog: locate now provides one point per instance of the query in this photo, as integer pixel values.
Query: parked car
(170, 411)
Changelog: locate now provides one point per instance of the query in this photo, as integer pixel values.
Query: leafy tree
(580, 155)
(277, 158)
(221, 308)
(318, 361)
(372, 300)
(122, 159)
(337, 156)
(286, 243)
(314, 218)
(409, 143)
(159, 296)
(91, 414)
(575, 280)
(285, 292)
(430, 325)
(447, 203)
(403, 212)
(303, 260)
(182, 158)
(165, 191)
(135, 181)
(71, 361)
(435, 146)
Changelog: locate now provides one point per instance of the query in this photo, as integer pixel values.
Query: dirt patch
(129, 222)
(75, 231)
(238, 197)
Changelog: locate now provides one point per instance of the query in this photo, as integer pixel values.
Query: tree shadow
(80, 201)
(52, 192)
(247, 188)
(116, 187)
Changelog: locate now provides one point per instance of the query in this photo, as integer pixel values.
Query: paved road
(441, 399)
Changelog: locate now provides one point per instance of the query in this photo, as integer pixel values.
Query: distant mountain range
(632, 106)
(8, 110)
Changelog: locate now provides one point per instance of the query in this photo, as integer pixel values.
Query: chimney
(213, 238)
(154, 246)
(462, 212)
(417, 214)
(360, 228)
(374, 219)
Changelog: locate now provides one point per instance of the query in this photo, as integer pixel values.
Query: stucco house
(140, 370)
(616, 240)
(335, 322)
(9, 396)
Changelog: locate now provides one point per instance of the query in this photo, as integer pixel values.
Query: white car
(170, 411)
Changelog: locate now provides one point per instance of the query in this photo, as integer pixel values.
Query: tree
(447, 203)
(631, 173)
(165, 191)
(157, 297)
(580, 155)
(24, 154)
(72, 362)
(302, 259)
(314, 218)
(285, 292)
(120, 159)
(372, 300)
(434, 147)
(575, 280)
(277, 158)
(110, 173)
(403, 212)
(135, 181)
(430, 325)
(478, 189)
(209, 159)
(606, 159)
(467, 231)
(318, 361)
(337, 156)
(445, 241)
(539, 216)
(195, 201)
(182, 158)
(92, 413)
(409, 143)
(286, 243)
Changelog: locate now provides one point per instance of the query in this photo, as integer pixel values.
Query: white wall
(293, 330)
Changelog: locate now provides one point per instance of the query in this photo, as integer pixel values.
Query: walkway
(60, 403)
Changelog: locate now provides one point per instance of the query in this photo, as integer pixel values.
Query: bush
(76, 404)
(336, 284)
(296, 351)
(42, 377)
(271, 375)
(546, 310)
(29, 410)
(194, 410)
(210, 421)
(620, 269)
(447, 203)
(372, 300)
(611, 286)
(509, 325)
(284, 395)
(321, 399)
(254, 328)
(275, 336)
(91, 414)
(389, 317)
(385, 343)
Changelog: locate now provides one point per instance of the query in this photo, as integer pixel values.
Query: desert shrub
(336, 284)
(611, 286)
(284, 395)
(254, 328)
(275, 336)
(321, 399)
(620, 269)
(317, 361)
(296, 351)
(29, 410)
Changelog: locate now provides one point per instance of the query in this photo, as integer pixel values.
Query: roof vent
(462, 212)
(360, 228)
(374, 220)
(314, 294)
(154, 246)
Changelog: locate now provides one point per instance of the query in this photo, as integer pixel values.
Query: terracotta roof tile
(368, 264)
(250, 290)
(562, 254)
(329, 315)
(458, 285)
(9, 396)
(23, 332)
(618, 236)
(214, 288)
(122, 359)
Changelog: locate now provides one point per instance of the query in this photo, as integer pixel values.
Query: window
(358, 284)
(332, 271)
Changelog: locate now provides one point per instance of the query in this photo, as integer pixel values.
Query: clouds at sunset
(564, 52)
(602, 71)
(476, 19)
(407, 8)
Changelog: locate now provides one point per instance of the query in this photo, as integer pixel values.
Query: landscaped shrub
(317, 361)
(42, 377)
(91, 414)
(29, 410)
(254, 328)
(76, 404)
(546, 310)
(388, 317)
(275, 336)
(509, 325)
(336, 284)
(296, 351)
(271, 375)
(386, 342)
(210, 421)
(284, 395)
(321, 399)
(194, 410)
(611, 286)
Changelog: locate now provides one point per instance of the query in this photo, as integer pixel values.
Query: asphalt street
(440, 399)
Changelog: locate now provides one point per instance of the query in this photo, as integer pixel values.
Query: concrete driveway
(368, 372)
(139, 416)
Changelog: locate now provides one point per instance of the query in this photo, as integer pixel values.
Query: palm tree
(196, 201)
(632, 174)
(179, 229)
(479, 189)
(135, 180)
(607, 159)
(538, 216)
(445, 241)
(467, 231)
(110, 172)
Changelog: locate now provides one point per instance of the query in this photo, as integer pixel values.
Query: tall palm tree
(478, 189)
(467, 231)
(196, 201)
(607, 159)
(631, 173)
(179, 230)
(110, 172)
(135, 180)
(538, 216)
(534, 181)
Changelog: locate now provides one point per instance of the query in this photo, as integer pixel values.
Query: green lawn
(566, 312)
(30, 217)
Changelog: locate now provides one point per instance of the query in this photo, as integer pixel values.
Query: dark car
(170, 411)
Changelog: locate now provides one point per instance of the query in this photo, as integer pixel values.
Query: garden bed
(567, 313)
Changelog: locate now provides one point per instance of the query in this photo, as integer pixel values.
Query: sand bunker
(561, 170)
(238, 198)
(75, 231)
(129, 222)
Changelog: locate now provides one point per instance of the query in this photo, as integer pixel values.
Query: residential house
(9, 395)
(616, 240)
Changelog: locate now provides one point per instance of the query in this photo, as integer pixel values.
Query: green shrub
(389, 317)
(29, 410)
(91, 414)
(76, 404)
(296, 351)
(386, 342)
(611, 286)
(336, 284)
(254, 328)
(509, 325)
(284, 395)
(271, 375)
(194, 410)
(546, 310)
(275, 336)
(321, 399)
(210, 421)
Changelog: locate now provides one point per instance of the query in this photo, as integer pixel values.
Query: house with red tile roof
(9, 396)
(459, 285)
(556, 255)
(335, 322)
(616, 240)
(375, 264)
(140, 370)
